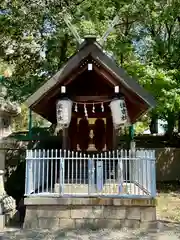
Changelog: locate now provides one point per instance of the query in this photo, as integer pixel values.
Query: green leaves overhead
(35, 40)
(162, 84)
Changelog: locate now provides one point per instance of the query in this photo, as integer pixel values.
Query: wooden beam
(139, 115)
(69, 79)
(92, 115)
(100, 71)
(91, 98)
(123, 90)
(74, 75)
(59, 77)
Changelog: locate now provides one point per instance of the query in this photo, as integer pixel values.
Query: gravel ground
(164, 231)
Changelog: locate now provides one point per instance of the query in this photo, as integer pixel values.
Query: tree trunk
(171, 123)
(63, 50)
(154, 124)
(179, 123)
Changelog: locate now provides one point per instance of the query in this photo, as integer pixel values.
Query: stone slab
(133, 213)
(115, 212)
(54, 212)
(49, 223)
(67, 224)
(88, 201)
(67, 213)
(148, 214)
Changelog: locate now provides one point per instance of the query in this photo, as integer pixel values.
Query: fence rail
(66, 173)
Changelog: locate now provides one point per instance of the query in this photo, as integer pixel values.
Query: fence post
(29, 173)
(61, 177)
(153, 175)
(99, 175)
(137, 175)
(90, 176)
(120, 175)
(132, 155)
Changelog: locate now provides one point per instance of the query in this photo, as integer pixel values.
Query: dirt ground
(168, 226)
(164, 231)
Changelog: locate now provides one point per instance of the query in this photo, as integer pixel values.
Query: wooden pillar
(72, 134)
(30, 123)
(64, 138)
(109, 133)
(65, 130)
(115, 144)
(132, 144)
(115, 131)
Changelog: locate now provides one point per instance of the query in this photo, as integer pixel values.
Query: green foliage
(161, 83)
(35, 40)
(142, 125)
(20, 123)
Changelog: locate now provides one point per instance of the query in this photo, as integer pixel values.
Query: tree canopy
(35, 42)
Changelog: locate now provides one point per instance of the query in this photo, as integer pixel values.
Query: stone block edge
(91, 201)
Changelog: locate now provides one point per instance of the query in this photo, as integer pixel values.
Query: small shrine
(90, 98)
(80, 181)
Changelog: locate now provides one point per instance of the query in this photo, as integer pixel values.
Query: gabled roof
(91, 48)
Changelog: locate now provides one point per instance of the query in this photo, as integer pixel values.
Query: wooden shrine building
(88, 100)
(90, 78)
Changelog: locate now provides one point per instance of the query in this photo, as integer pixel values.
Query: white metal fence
(66, 173)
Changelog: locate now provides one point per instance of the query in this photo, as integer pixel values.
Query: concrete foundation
(93, 213)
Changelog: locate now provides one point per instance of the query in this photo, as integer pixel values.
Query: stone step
(108, 188)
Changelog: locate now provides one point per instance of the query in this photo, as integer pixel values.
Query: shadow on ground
(168, 186)
(164, 230)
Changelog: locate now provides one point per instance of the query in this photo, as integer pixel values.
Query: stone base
(12, 218)
(2, 222)
(93, 213)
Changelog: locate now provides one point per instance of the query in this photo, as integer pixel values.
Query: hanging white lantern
(63, 113)
(119, 112)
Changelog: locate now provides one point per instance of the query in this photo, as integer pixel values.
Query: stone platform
(92, 213)
(108, 189)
